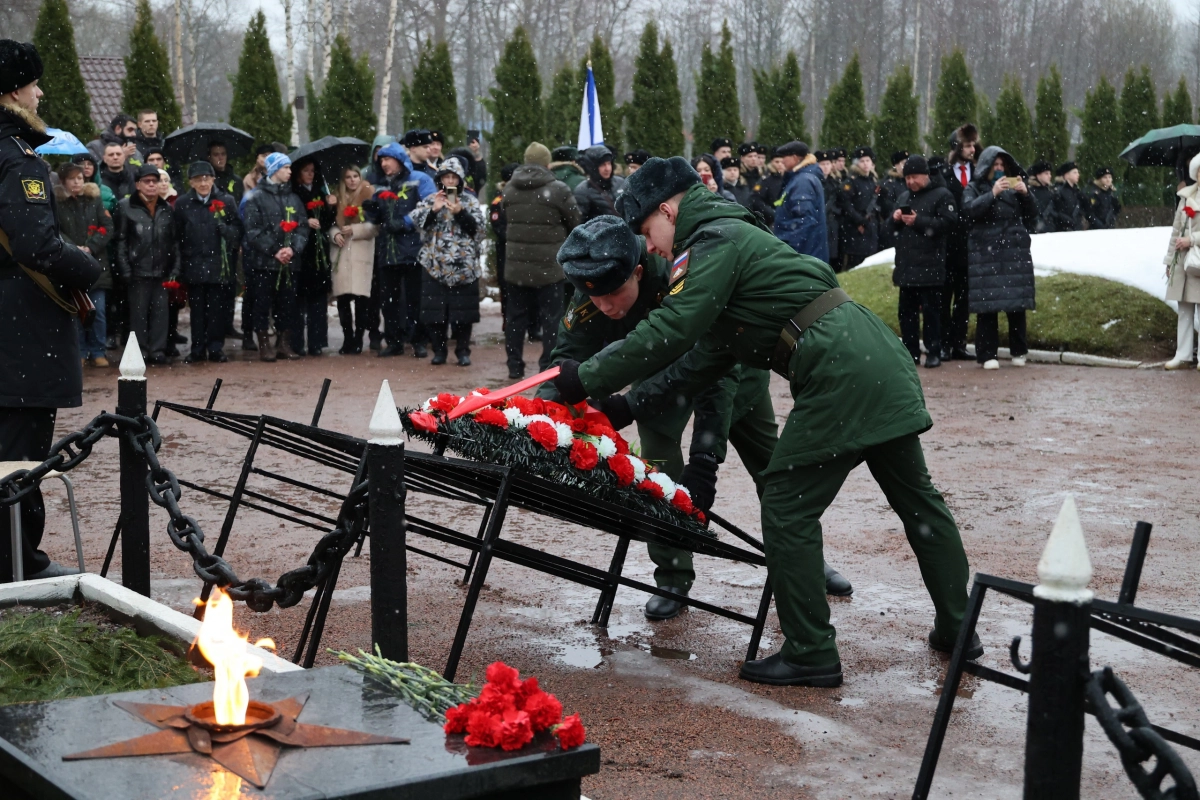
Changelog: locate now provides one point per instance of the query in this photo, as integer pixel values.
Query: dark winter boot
(437, 339)
(265, 353)
(284, 346)
(358, 340)
(462, 345)
(248, 341)
(347, 348)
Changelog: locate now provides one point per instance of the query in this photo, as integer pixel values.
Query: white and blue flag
(591, 133)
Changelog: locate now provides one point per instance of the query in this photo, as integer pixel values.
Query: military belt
(797, 325)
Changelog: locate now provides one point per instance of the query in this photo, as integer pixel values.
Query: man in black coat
(40, 368)
(1103, 204)
(225, 178)
(890, 189)
(831, 184)
(146, 257)
(597, 196)
(208, 233)
(957, 173)
(924, 216)
(115, 173)
(1069, 203)
(858, 200)
(1041, 188)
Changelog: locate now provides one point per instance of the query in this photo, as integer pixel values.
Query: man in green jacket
(742, 296)
(617, 284)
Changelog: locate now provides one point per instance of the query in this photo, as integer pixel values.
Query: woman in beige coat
(352, 255)
(1181, 287)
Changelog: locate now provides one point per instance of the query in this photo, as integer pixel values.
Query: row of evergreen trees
(653, 118)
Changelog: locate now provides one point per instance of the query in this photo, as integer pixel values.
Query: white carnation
(532, 418)
(607, 448)
(668, 485)
(639, 467)
(515, 418)
(427, 406)
(565, 434)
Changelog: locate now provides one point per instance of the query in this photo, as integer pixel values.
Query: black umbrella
(191, 143)
(1161, 147)
(332, 154)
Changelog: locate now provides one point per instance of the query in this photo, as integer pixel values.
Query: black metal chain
(1129, 730)
(141, 433)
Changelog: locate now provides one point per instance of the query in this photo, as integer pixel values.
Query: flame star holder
(250, 751)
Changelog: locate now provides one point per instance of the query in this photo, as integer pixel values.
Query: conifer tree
(1177, 106)
(257, 106)
(896, 127)
(562, 108)
(1051, 141)
(717, 113)
(1101, 129)
(1013, 126)
(147, 82)
(516, 102)
(1139, 114)
(955, 102)
(654, 119)
(602, 72)
(430, 101)
(66, 103)
(986, 119)
(846, 123)
(781, 114)
(346, 106)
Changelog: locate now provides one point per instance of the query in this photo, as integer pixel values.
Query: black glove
(616, 408)
(570, 388)
(700, 478)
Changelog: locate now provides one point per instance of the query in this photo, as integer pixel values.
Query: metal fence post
(1059, 664)
(135, 500)
(389, 562)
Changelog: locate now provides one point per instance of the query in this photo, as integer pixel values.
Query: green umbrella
(1161, 147)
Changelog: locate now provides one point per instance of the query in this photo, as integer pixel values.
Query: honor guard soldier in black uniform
(40, 370)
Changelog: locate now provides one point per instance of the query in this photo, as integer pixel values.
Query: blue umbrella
(63, 144)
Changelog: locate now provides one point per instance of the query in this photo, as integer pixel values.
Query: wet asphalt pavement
(663, 700)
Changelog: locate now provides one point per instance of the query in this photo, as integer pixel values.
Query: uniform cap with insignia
(720, 142)
(746, 148)
(600, 255)
(655, 183)
(20, 65)
(792, 148)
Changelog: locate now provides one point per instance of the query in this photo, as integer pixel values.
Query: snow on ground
(1133, 256)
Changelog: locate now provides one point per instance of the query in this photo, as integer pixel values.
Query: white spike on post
(385, 427)
(389, 565)
(1065, 568)
(133, 366)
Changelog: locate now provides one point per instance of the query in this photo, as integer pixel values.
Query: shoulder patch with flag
(680, 266)
(35, 190)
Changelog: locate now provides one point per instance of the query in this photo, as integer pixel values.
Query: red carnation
(101, 230)
(682, 502)
(650, 487)
(313, 205)
(350, 212)
(289, 225)
(571, 732)
(597, 428)
(216, 206)
(622, 445)
(1191, 212)
(703, 520)
(491, 416)
(544, 434)
(456, 719)
(483, 729)
(584, 455)
(621, 467)
(388, 196)
(423, 420)
(482, 390)
(544, 710)
(579, 425)
(445, 402)
(516, 731)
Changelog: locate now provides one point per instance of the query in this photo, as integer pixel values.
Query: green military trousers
(753, 432)
(792, 504)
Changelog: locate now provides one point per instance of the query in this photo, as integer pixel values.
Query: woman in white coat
(352, 255)
(1183, 286)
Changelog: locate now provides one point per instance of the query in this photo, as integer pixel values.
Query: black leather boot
(773, 670)
(836, 584)
(659, 608)
(347, 348)
(974, 647)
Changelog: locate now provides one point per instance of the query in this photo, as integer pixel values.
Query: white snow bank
(1133, 256)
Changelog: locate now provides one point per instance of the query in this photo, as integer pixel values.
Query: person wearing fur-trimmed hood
(451, 224)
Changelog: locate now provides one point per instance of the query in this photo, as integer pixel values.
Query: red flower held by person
(584, 455)
(388, 196)
(216, 206)
(350, 212)
(313, 205)
(1191, 212)
(289, 225)
(544, 434)
(491, 416)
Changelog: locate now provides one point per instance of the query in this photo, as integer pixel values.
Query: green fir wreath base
(508, 447)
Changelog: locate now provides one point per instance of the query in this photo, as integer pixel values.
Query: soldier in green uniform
(742, 296)
(617, 284)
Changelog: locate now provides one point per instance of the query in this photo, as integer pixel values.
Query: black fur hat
(20, 65)
(600, 255)
(658, 180)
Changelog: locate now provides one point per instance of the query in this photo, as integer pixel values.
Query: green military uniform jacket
(735, 287)
(585, 332)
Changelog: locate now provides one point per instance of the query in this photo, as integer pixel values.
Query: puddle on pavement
(671, 653)
(584, 656)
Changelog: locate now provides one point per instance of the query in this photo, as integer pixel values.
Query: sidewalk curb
(1074, 359)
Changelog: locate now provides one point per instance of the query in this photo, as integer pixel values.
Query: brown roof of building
(102, 76)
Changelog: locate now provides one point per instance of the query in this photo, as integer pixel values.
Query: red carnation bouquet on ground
(509, 712)
(574, 445)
